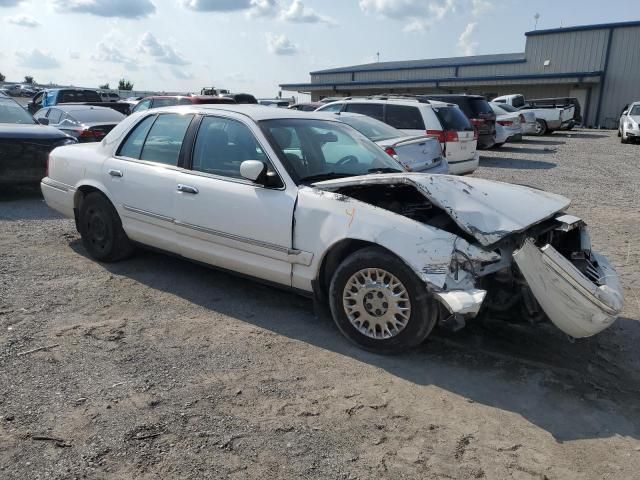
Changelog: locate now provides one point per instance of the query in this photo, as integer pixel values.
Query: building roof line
(492, 78)
(497, 59)
(579, 28)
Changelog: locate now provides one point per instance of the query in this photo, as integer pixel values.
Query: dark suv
(478, 111)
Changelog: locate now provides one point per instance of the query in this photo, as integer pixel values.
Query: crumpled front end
(548, 272)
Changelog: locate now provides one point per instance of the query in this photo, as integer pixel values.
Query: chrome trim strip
(299, 256)
(63, 187)
(148, 214)
(230, 236)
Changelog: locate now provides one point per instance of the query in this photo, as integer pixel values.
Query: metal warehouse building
(598, 64)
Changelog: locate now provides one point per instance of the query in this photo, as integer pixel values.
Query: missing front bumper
(575, 304)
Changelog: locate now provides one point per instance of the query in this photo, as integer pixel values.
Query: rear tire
(541, 127)
(101, 229)
(378, 302)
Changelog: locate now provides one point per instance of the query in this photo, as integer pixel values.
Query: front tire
(623, 138)
(101, 229)
(378, 302)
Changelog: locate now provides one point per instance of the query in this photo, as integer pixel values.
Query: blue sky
(253, 45)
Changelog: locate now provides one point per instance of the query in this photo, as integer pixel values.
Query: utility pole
(378, 55)
(536, 17)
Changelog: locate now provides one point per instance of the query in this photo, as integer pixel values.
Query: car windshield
(371, 128)
(11, 112)
(315, 150)
(635, 110)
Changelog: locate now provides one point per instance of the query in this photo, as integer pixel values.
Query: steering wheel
(347, 160)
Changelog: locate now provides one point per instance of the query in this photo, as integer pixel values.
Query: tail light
(505, 123)
(444, 136)
(391, 152)
(88, 135)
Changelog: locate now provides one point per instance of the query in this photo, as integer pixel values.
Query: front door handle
(187, 189)
(115, 173)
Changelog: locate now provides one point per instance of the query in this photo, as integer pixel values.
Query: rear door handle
(187, 189)
(115, 173)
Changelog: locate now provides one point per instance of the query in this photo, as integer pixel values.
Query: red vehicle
(170, 100)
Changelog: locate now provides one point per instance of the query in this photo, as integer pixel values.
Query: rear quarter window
(479, 106)
(405, 117)
(373, 110)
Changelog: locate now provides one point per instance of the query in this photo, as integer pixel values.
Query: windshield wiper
(324, 176)
(384, 170)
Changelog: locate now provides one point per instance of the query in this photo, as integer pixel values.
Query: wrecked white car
(309, 203)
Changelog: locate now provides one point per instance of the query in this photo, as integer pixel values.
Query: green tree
(2, 77)
(125, 84)
(28, 79)
(104, 86)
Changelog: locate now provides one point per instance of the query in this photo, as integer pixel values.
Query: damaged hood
(485, 209)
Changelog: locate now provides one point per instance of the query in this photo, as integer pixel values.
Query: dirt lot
(159, 368)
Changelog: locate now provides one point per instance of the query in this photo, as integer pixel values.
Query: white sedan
(629, 127)
(298, 200)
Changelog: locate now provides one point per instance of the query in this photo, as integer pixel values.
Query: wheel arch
(82, 191)
(335, 255)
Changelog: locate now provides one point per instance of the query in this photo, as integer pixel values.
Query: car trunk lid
(416, 154)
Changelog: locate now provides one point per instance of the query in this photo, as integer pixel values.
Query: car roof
(253, 111)
(401, 101)
(71, 107)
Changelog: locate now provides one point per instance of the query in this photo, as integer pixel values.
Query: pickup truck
(86, 96)
(547, 119)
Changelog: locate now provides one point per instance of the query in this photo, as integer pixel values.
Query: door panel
(236, 225)
(226, 220)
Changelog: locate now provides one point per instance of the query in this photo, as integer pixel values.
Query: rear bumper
(486, 140)
(575, 304)
(461, 167)
(442, 167)
(58, 196)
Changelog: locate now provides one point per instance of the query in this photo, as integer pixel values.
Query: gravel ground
(159, 368)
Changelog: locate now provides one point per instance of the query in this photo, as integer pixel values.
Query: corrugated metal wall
(622, 82)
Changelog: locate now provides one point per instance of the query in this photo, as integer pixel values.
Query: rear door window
(132, 146)
(164, 140)
(452, 118)
(404, 117)
(373, 110)
(54, 116)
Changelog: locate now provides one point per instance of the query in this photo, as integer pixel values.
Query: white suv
(418, 117)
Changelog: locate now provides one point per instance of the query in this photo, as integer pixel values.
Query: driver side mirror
(257, 172)
(43, 121)
(253, 170)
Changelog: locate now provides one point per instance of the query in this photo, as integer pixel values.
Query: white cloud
(36, 59)
(216, 5)
(298, 13)
(465, 45)
(280, 45)
(478, 7)
(74, 55)
(263, 8)
(161, 51)
(107, 8)
(23, 21)
(9, 3)
(418, 15)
